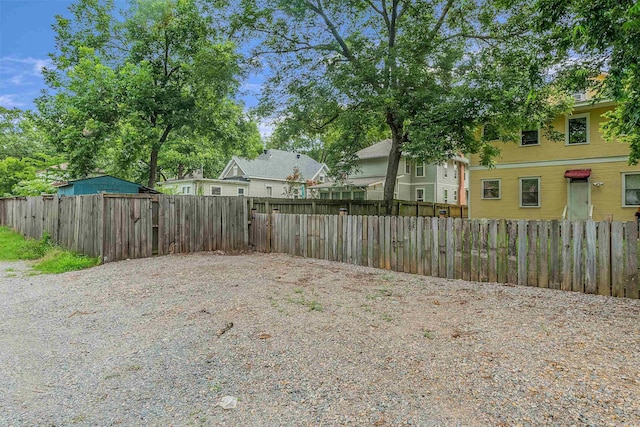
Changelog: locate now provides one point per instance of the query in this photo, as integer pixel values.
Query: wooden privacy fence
(354, 207)
(597, 258)
(116, 227)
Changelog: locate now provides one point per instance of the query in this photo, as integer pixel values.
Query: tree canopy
(596, 37)
(429, 71)
(23, 151)
(150, 87)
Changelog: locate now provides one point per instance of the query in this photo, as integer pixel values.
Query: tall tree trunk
(394, 162)
(153, 163)
(153, 166)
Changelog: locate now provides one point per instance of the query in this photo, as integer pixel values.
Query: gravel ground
(307, 342)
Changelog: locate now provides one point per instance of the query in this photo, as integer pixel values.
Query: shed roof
(352, 182)
(100, 177)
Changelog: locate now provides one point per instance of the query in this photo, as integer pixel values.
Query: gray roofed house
(273, 164)
(416, 181)
(264, 176)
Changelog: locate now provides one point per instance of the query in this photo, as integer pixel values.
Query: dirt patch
(308, 342)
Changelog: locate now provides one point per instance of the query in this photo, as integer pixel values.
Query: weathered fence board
(117, 227)
(561, 254)
(589, 257)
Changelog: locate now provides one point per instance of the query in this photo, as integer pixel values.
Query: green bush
(35, 249)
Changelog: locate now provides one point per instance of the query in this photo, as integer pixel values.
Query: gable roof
(276, 164)
(383, 148)
(380, 149)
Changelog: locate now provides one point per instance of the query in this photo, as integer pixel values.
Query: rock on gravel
(162, 341)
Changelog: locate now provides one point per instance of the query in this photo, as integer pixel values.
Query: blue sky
(26, 38)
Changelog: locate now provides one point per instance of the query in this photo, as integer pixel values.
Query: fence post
(102, 225)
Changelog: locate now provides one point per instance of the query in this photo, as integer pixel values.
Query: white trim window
(530, 192)
(529, 137)
(240, 191)
(235, 170)
(419, 194)
(420, 169)
(491, 189)
(216, 191)
(455, 170)
(321, 178)
(186, 189)
(631, 189)
(269, 191)
(445, 169)
(455, 195)
(577, 129)
(446, 196)
(407, 166)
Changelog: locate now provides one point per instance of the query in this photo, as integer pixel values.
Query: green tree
(13, 170)
(431, 71)
(125, 87)
(20, 136)
(601, 36)
(33, 187)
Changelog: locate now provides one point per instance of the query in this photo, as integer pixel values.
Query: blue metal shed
(101, 184)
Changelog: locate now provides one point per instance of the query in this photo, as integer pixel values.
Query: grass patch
(52, 259)
(58, 260)
(13, 246)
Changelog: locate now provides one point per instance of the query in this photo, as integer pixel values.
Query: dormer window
(580, 96)
(321, 178)
(235, 170)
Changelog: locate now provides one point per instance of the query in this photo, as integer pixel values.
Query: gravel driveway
(306, 342)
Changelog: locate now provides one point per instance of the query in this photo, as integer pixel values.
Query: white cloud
(10, 101)
(265, 129)
(253, 87)
(15, 71)
(28, 65)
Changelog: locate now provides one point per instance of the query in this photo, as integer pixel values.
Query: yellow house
(581, 177)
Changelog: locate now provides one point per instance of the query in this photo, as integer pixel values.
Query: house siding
(549, 161)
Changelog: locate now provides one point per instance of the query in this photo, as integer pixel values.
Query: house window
(455, 171)
(446, 196)
(420, 194)
(269, 191)
(529, 137)
(455, 195)
(529, 192)
(335, 195)
(491, 189)
(420, 169)
(324, 195)
(321, 178)
(407, 166)
(235, 170)
(631, 189)
(296, 193)
(240, 191)
(216, 191)
(358, 195)
(577, 129)
(186, 189)
(445, 169)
